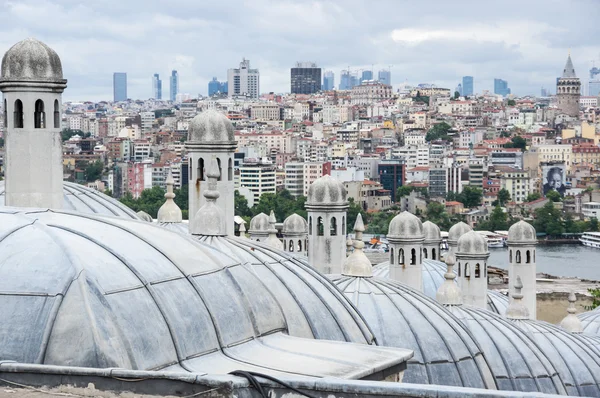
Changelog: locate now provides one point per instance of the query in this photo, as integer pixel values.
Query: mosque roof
(30, 59)
(399, 316)
(591, 321)
(136, 296)
(89, 201)
(433, 277)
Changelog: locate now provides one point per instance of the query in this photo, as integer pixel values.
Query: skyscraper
(243, 80)
(347, 80)
(119, 86)
(366, 75)
(385, 77)
(216, 87)
(305, 78)
(594, 83)
(156, 87)
(174, 85)
(568, 90)
(467, 85)
(328, 81)
(500, 87)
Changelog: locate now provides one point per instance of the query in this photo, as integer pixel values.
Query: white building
(243, 81)
(147, 121)
(591, 210)
(258, 176)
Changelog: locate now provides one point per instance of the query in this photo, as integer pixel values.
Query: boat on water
(591, 239)
(493, 240)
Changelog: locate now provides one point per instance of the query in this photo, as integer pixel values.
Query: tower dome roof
(295, 224)
(118, 287)
(516, 361)
(32, 60)
(456, 231)
(405, 226)
(472, 243)
(326, 190)
(89, 201)
(445, 351)
(259, 223)
(432, 232)
(522, 232)
(211, 127)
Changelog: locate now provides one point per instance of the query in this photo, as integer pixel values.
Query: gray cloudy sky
(525, 42)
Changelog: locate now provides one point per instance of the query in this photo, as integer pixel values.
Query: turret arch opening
(477, 270)
(320, 227)
(220, 170)
(310, 231)
(459, 267)
(291, 246)
(425, 253)
(333, 227)
(467, 271)
(39, 115)
(230, 170)
(528, 257)
(343, 224)
(433, 254)
(300, 245)
(18, 114)
(510, 256)
(201, 169)
(413, 257)
(392, 255)
(401, 257)
(57, 115)
(5, 114)
(518, 257)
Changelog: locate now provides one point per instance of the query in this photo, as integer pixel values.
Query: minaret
(454, 234)
(295, 235)
(405, 237)
(273, 240)
(517, 309)
(357, 264)
(432, 242)
(568, 91)
(571, 323)
(169, 212)
(210, 219)
(472, 255)
(326, 205)
(211, 134)
(521, 258)
(32, 83)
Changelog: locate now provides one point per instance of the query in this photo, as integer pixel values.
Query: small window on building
(392, 255)
(477, 270)
(39, 116)
(291, 246)
(401, 257)
(230, 170)
(18, 114)
(201, 169)
(220, 170)
(518, 256)
(56, 114)
(413, 257)
(433, 254)
(320, 227)
(528, 257)
(300, 245)
(425, 253)
(333, 227)
(310, 231)
(467, 271)
(5, 114)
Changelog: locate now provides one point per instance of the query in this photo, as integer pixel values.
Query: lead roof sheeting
(591, 321)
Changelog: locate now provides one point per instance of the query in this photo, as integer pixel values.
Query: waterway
(560, 260)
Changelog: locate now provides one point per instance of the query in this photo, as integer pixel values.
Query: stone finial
(571, 323)
(449, 293)
(209, 220)
(349, 246)
(169, 211)
(357, 264)
(273, 240)
(242, 230)
(516, 309)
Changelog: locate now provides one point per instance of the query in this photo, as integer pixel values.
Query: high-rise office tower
(119, 86)
(500, 87)
(459, 89)
(243, 80)
(594, 83)
(544, 92)
(156, 87)
(467, 85)
(328, 81)
(366, 75)
(216, 87)
(348, 80)
(385, 77)
(174, 85)
(305, 78)
(568, 90)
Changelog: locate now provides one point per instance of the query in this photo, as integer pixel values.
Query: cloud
(428, 41)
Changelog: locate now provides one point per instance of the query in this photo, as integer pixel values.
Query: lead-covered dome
(431, 232)
(522, 232)
(104, 292)
(90, 201)
(405, 226)
(456, 231)
(591, 321)
(326, 190)
(211, 127)
(399, 316)
(295, 225)
(472, 243)
(32, 60)
(259, 223)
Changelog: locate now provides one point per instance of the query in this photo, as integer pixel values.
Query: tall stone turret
(211, 134)
(471, 256)
(405, 237)
(568, 91)
(326, 205)
(454, 234)
(295, 234)
(432, 242)
(522, 241)
(32, 83)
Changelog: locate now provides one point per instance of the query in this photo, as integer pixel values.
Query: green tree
(108, 192)
(456, 95)
(438, 132)
(593, 226)
(595, 299)
(511, 102)
(68, 133)
(548, 220)
(436, 213)
(241, 205)
(451, 196)
(553, 196)
(403, 191)
(93, 171)
(533, 196)
(470, 196)
(517, 142)
(182, 200)
(353, 210)
(503, 197)
(379, 223)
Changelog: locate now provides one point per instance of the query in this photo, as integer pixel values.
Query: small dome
(33, 60)
(259, 223)
(457, 231)
(591, 321)
(405, 226)
(295, 224)
(522, 232)
(327, 190)
(517, 362)
(432, 232)
(472, 243)
(210, 127)
(399, 316)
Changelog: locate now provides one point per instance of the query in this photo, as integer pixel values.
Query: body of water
(559, 260)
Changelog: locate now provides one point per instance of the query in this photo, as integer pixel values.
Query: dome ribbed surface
(405, 226)
(458, 230)
(432, 232)
(326, 190)
(33, 60)
(211, 126)
(472, 243)
(295, 224)
(522, 232)
(591, 321)
(259, 223)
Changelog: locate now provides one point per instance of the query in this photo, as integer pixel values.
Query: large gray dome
(31, 60)
(433, 277)
(472, 243)
(326, 190)
(86, 200)
(211, 126)
(517, 362)
(445, 351)
(406, 226)
(575, 359)
(294, 225)
(522, 232)
(591, 321)
(456, 231)
(103, 292)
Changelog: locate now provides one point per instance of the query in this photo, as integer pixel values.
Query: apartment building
(258, 176)
(266, 112)
(517, 183)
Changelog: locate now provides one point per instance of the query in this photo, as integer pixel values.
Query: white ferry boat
(493, 240)
(591, 239)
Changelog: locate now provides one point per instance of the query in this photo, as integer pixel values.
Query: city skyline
(528, 51)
